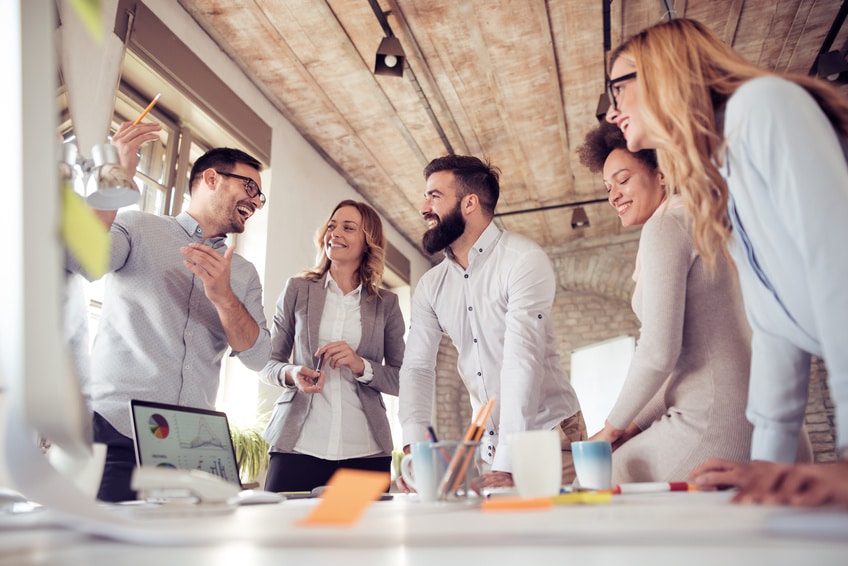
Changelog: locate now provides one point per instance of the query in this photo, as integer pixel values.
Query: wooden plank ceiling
(516, 81)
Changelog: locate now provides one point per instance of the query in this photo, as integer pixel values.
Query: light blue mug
(593, 464)
(423, 468)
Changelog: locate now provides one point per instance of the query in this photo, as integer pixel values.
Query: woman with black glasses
(758, 158)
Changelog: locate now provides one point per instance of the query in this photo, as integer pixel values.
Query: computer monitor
(36, 379)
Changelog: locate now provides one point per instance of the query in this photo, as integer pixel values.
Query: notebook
(185, 438)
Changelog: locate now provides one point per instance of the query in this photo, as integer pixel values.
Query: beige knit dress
(687, 386)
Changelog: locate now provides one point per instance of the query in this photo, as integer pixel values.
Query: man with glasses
(177, 298)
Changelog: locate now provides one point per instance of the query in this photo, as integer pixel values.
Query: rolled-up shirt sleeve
(418, 372)
(258, 354)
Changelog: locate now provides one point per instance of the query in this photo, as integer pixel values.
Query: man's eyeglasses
(613, 89)
(250, 186)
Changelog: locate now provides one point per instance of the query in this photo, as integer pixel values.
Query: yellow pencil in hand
(148, 109)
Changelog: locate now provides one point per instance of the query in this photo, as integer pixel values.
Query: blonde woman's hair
(685, 73)
(370, 272)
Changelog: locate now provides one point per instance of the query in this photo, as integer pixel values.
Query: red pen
(651, 487)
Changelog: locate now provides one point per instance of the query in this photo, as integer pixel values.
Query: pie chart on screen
(159, 426)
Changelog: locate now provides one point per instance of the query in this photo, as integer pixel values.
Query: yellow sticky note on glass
(89, 12)
(348, 494)
(84, 234)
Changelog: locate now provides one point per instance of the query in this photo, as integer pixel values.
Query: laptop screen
(184, 438)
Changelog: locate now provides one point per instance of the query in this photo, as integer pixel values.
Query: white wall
(598, 372)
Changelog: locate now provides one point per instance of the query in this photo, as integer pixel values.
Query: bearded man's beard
(445, 232)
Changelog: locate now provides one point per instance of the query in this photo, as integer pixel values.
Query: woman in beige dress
(684, 397)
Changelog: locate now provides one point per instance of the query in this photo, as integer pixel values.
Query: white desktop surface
(673, 528)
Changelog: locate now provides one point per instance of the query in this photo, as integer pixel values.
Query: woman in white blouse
(336, 317)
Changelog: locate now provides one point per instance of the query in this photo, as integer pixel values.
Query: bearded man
(493, 295)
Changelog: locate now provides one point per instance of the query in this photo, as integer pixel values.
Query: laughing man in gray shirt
(176, 299)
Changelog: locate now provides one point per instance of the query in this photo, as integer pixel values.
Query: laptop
(186, 438)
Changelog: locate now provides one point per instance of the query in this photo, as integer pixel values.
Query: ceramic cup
(536, 459)
(425, 465)
(593, 463)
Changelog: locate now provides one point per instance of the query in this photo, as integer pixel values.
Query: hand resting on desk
(770, 483)
(497, 479)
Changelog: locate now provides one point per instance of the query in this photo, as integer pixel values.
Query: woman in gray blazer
(337, 344)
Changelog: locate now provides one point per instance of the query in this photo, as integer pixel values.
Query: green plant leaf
(251, 451)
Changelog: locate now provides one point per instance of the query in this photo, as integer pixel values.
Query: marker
(651, 487)
(446, 456)
(148, 109)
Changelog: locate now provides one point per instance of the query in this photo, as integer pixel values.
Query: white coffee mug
(593, 463)
(536, 459)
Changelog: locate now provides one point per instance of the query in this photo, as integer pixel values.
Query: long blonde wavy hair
(685, 73)
(373, 262)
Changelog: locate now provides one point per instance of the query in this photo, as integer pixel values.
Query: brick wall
(592, 305)
(453, 409)
(820, 416)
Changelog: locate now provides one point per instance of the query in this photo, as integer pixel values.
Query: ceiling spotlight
(579, 219)
(830, 65)
(390, 58)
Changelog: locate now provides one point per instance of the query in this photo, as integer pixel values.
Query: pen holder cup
(462, 459)
(440, 471)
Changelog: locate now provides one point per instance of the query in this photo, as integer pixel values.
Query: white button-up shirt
(498, 314)
(335, 428)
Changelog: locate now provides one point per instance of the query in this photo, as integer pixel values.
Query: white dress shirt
(335, 428)
(498, 314)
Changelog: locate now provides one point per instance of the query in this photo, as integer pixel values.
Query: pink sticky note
(348, 494)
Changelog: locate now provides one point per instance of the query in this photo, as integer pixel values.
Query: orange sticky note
(516, 504)
(348, 494)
